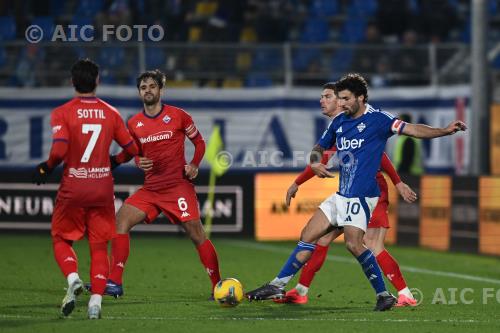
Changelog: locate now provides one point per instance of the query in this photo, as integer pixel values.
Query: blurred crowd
(401, 25)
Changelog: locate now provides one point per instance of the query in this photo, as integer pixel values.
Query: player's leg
(354, 214)
(298, 295)
(67, 225)
(181, 206)
(205, 248)
(317, 226)
(374, 240)
(100, 223)
(128, 216)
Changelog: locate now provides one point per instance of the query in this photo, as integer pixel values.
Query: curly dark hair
(355, 83)
(156, 75)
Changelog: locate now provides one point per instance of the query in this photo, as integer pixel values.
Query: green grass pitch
(166, 290)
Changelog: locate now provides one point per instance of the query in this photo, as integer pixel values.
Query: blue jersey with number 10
(360, 143)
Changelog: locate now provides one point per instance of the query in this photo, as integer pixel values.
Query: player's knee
(370, 243)
(354, 247)
(195, 231)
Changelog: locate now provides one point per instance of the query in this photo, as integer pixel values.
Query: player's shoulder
(172, 109)
(337, 119)
(108, 106)
(66, 106)
(136, 118)
(378, 113)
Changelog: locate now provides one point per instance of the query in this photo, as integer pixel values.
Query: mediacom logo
(163, 135)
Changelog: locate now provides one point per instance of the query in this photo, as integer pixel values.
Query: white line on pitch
(212, 318)
(278, 249)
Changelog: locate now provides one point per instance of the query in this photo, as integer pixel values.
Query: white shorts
(341, 211)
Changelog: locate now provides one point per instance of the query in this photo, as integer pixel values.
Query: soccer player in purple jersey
(360, 134)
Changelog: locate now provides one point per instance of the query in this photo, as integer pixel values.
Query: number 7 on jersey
(96, 130)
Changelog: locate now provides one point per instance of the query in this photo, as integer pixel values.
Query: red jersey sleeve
(194, 135)
(308, 173)
(387, 166)
(189, 127)
(126, 154)
(60, 130)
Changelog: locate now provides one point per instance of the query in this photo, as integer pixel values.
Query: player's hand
(114, 163)
(145, 163)
(42, 171)
(291, 192)
(455, 126)
(406, 192)
(321, 171)
(191, 171)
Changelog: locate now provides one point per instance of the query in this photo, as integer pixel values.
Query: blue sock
(292, 265)
(372, 271)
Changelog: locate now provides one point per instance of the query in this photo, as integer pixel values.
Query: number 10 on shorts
(354, 208)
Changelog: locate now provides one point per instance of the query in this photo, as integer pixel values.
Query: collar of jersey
(153, 117)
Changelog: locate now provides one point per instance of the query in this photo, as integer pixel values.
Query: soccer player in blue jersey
(360, 134)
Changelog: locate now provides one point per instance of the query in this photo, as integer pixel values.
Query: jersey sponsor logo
(166, 119)
(397, 126)
(361, 127)
(185, 214)
(339, 130)
(56, 129)
(163, 135)
(92, 173)
(139, 124)
(346, 144)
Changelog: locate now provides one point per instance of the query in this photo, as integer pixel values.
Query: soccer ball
(228, 292)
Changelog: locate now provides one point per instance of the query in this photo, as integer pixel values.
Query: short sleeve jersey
(360, 143)
(161, 139)
(88, 125)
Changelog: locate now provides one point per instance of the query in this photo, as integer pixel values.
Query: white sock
(384, 293)
(281, 283)
(72, 277)
(301, 289)
(95, 299)
(405, 291)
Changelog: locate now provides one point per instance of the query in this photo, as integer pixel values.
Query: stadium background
(255, 68)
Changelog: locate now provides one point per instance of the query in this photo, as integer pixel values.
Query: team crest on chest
(361, 127)
(166, 119)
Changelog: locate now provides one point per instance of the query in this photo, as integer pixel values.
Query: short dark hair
(330, 85)
(84, 74)
(355, 83)
(156, 75)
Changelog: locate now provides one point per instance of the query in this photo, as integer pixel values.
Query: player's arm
(428, 132)
(58, 149)
(305, 176)
(128, 143)
(404, 190)
(326, 141)
(190, 130)
(316, 164)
